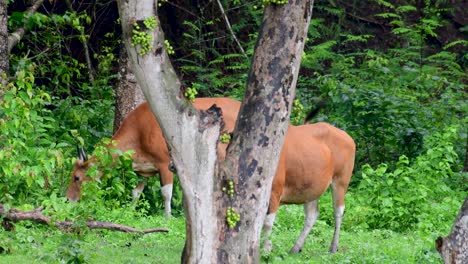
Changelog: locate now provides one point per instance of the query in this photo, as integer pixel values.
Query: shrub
(416, 193)
(29, 156)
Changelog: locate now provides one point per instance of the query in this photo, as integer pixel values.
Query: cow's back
(141, 132)
(342, 146)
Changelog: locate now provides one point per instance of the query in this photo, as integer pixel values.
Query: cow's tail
(321, 104)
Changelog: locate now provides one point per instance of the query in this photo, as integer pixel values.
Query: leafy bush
(418, 193)
(388, 100)
(36, 153)
(29, 156)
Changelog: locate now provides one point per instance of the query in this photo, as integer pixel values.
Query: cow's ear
(82, 154)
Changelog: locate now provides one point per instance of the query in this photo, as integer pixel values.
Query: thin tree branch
(226, 19)
(85, 46)
(181, 8)
(368, 20)
(16, 36)
(15, 215)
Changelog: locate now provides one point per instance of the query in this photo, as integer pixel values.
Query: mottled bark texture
(192, 136)
(454, 248)
(128, 94)
(4, 54)
(263, 121)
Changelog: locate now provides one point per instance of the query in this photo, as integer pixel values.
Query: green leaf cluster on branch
(140, 36)
(275, 2)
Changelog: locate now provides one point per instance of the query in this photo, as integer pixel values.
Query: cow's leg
(139, 189)
(267, 228)
(270, 218)
(311, 211)
(338, 192)
(167, 178)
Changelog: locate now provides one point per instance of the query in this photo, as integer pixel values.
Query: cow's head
(78, 175)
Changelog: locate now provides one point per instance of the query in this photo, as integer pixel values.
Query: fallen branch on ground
(15, 215)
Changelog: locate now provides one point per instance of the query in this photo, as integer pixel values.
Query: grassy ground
(376, 246)
(33, 244)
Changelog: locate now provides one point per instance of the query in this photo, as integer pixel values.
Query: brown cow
(313, 157)
(141, 132)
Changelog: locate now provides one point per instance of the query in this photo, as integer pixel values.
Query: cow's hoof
(267, 247)
(295, 250)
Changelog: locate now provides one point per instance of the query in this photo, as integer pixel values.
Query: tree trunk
(262, 125)
(4, 54)
(465, 167)
(128, 94)
(454, 248)
(192, 135)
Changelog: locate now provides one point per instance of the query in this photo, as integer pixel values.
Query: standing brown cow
(313, 157)
(141, 132)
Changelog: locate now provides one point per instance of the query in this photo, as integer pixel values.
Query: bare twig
(226, 19)
(15, 215)
(181, 8)
(368, 20)
(15, 37)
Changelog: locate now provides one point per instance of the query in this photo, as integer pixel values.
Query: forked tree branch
(15, 215)
(15, 37)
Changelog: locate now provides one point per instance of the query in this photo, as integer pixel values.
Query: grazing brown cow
(141, 132)
(313, 157)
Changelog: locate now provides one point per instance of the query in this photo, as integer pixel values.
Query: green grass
(31, 243)
(356, 246)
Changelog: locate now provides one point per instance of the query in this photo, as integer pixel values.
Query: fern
(385, 3)
(191, 26)
(332, 11)
(457, 42)
(358, 38)
(314, 28)
(446, 59)
(402, 30)
(406, 8)
(314, 56)
(388, 15)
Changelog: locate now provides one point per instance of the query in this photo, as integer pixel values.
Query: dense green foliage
(403, 100)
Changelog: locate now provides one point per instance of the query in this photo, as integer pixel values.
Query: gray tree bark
(454, 247)
(128, 94)
(4, 54)
(192, 135)
(262, 124)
